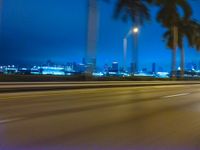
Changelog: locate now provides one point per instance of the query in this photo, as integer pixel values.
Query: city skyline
(31, 36)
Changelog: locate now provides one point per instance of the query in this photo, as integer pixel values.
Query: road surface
(132, 118)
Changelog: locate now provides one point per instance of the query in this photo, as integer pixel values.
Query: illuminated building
(69, 68)
(46, 70)
(99, 74)
(162, 75)
(24, 71)
(10, 69)
(1, 69)
(36, 70)
(115, 67)
(80, 68)
(113, 70)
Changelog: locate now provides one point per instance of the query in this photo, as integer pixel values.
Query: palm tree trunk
(175, 35)
(182, 60)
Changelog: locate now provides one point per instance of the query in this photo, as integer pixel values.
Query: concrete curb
(51, 88)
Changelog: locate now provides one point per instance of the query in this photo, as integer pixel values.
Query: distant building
(115, 67)
(154, 68)
(81, 68)
(69, 68)
(112, 70)
(24, 71)
(106, 68)
(46, 70)
(133, 68)
(10, 69)
(121, 69)
(84, 61)
(144, 70)
(194, 66)
(36, 70)
(91, 65)
(1, 69)
(162, 75)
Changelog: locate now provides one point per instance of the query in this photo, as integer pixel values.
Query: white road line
(182, 94)
(9, 120)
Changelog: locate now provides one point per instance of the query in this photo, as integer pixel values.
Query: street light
(134, 31)
(135, 50)
(125, 51)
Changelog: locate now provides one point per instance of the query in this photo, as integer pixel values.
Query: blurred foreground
(136, 117)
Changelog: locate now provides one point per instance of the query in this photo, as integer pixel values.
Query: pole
(125, 52)
(135, 53)
(92, 35)
(1, 23)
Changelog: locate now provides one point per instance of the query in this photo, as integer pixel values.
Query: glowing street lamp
(134, 65)
(134, 31)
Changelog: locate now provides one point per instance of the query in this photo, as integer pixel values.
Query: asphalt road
(132, 118)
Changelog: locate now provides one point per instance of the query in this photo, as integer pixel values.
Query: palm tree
(186, 29)
(169, 17)
(198, 42)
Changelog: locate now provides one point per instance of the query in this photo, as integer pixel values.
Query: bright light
(135, 30)
(98, 74)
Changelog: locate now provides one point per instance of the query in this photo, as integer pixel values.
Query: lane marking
(177, 95)
(9, 120)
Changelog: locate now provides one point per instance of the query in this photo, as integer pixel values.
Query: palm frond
(136, 10)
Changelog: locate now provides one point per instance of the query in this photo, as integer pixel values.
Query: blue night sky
(35, 31)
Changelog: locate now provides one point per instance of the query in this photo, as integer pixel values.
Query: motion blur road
(134, 118)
